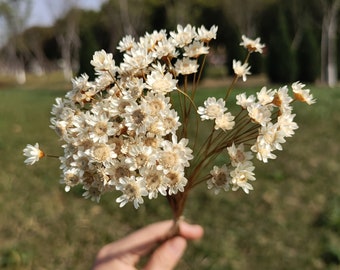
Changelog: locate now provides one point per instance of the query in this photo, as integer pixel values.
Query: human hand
(125, 253)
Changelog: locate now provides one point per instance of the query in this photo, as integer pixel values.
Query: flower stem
(52, 156)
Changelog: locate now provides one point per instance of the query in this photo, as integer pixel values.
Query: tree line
(301, 36)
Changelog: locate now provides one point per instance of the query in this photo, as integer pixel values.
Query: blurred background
(42, 36)
(292, 218)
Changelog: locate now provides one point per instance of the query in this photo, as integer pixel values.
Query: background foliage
(286, 26)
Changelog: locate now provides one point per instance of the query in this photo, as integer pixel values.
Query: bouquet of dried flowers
(122, 131)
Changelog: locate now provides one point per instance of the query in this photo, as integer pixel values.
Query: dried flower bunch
(123, 132)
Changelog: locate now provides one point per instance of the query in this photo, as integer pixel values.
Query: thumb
(168, 254)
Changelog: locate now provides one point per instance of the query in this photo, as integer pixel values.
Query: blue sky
(44, 12)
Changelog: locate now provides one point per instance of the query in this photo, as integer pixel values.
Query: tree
(15, 14)
(67, 36)
(244, 14)
(123, 17)
(281, 62)
(308, 57)
(35, 39)
(89, 41)
(330, 10)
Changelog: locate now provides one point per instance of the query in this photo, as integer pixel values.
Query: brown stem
(173, 231)
(52, 156)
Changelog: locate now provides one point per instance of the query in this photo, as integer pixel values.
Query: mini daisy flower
(174, 155)
(176, 181)
(101, 178)
(117, 106)
(83, 91)
(79, 83)
(205, 35)
(263, 150)
(135, 118)
(33, 154)
(259, 114)
(186, 66)
(169, 159)
(63, 125)
(126, 44)
(88, 180)
(252, 45)
(225, 121)
(154, 126)
(220, 179)
(238, 154)
(273, 135)
(105, 81)
(149, 41)
(140, 156)
(133, 189)
(212, 108)
(265, 96)
(195, 49)
(80, 127)
(154, 104)
(71, 177)
(282, 99)
(136, 61)
(103, 61)
(245, 101)
(92, 193)
(241, 175)
(135, 87)
(286, 124)
(155, 182)
(241, 70)
(61, 128)
(165, 49)
(101, 107)
(181, 148)
(301, 94)
(59, 106)
(159, 82)
(183, 36)
(77, 158)
(100, 128)
(103, 153)
(119, 169)
(151, 140)
(170, 121)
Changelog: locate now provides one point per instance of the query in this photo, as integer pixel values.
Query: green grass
(290, 221)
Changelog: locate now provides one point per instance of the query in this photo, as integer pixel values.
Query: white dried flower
(33, 154)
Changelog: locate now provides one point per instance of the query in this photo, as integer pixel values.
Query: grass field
(290, 221)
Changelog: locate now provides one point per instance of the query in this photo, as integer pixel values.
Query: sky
(45, 12)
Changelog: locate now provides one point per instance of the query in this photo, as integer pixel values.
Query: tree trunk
(328, 43)
(125, 18)
(324, 49)
(332, 48)
(66, 55)
(69, 44)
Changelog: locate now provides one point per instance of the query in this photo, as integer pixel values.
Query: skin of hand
(125, 253)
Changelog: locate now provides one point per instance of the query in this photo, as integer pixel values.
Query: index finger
(141, 241)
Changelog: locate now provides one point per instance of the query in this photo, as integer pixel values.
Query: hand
(125, 253)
